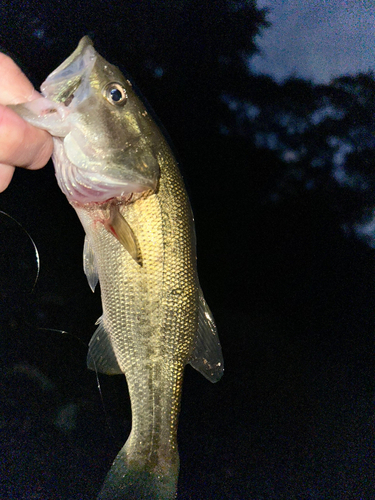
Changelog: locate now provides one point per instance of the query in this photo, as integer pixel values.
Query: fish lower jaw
(85, 186)
(106, 205)
(102, 194)
(97, 189)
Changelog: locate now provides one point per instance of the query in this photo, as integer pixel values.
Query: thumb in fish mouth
(15, 87)
(20, 144)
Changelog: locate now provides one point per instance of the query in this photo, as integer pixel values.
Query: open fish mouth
(73, 74)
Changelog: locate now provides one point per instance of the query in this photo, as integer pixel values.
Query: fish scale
(142, 305)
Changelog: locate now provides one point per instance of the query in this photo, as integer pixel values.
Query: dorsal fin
(207, 357)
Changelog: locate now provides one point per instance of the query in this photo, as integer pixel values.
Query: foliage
(324, 134)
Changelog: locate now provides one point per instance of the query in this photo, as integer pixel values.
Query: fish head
(106, 143)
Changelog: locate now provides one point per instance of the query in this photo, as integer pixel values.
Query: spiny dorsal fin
(89, 264)
(207, 357)
(101, 356)
(117, 225)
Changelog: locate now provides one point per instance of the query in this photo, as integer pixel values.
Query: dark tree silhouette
(323, 134)
(185, 53)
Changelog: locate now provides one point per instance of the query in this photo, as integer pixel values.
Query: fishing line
(102, 400)
(37, 258)
(63, 332)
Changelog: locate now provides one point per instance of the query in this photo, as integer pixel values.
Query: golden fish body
(150, 314)
(118, 172)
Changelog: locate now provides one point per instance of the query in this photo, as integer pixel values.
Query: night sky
(316, 40)
(292, 292)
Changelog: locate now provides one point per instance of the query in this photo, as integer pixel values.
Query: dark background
(289, 281)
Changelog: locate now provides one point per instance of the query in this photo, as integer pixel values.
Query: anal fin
(101, 356)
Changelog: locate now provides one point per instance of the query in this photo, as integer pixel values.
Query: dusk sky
(317, 40)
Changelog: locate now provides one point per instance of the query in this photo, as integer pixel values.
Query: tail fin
(130, 479)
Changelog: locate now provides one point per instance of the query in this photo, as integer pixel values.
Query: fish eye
(115, 94)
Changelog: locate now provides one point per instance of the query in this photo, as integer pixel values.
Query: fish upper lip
(75, 69)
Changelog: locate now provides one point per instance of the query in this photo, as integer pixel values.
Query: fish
(118, 171)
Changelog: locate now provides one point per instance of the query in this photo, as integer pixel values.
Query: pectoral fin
(101, 356)
(117, 225)
(207, 357)
(89, 265)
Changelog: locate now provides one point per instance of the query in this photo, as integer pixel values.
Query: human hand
(21, 144)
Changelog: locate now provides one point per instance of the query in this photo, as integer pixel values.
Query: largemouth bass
(118, 172)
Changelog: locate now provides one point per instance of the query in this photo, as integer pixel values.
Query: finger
(21, 144)
(6, 174)
(15, 87)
